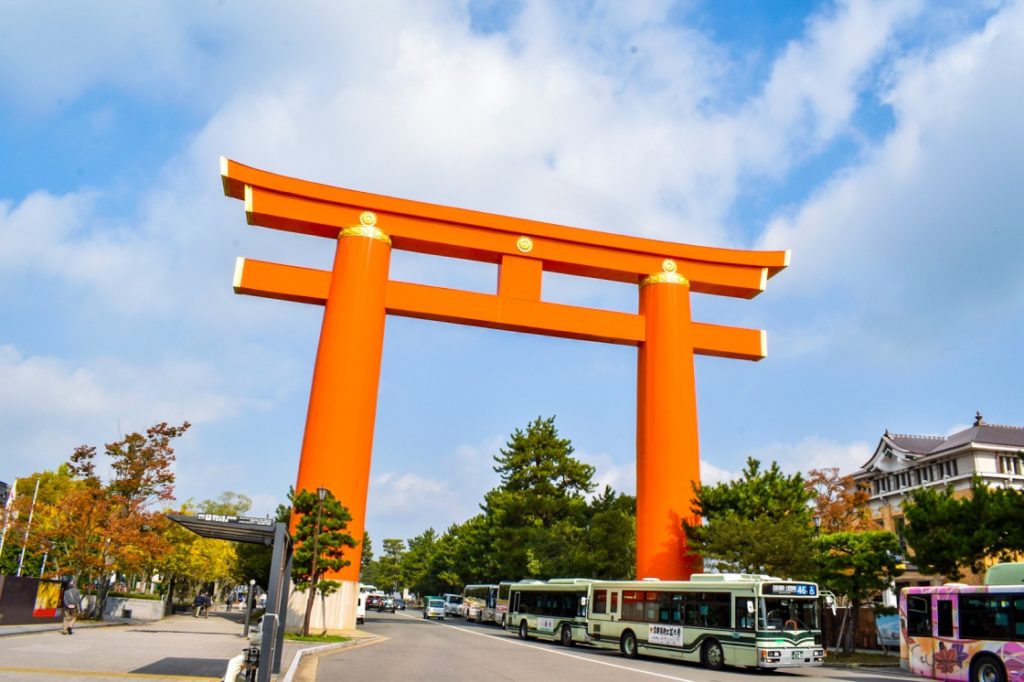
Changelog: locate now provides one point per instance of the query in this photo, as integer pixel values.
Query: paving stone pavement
(179, 647)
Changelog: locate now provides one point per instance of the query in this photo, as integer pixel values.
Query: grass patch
(858, 658)
(319, 639)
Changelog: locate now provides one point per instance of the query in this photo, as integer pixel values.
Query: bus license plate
(798, 654)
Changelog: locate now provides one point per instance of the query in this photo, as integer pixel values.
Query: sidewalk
(179, 647)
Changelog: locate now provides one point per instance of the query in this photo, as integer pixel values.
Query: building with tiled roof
(902, 463)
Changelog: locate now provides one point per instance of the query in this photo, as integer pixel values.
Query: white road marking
(548, 650)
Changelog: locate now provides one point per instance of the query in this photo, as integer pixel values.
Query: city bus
(712, 619)
(964, 632)
(555, 610)
(479, 602)
(501, 605)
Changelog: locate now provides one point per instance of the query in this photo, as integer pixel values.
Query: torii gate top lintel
(296, 205)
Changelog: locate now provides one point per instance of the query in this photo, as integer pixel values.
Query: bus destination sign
(791, 589)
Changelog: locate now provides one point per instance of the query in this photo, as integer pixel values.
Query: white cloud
(918, 244)
(48, 406)
(813, 452)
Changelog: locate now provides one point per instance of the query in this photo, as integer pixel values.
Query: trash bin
(126, 613)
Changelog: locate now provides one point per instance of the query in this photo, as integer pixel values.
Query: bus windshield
(783, 613)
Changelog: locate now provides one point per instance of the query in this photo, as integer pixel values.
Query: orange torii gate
(357, 294)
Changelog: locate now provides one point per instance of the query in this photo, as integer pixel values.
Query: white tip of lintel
(239, 267)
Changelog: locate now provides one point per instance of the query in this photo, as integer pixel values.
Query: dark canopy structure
(260, 531)
(257, 530)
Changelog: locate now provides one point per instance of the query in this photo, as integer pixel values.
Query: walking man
(72, 606)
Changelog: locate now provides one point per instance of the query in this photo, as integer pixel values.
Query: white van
(361, 608)
(452, 602)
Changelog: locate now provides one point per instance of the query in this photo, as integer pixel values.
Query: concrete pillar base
(334, 614)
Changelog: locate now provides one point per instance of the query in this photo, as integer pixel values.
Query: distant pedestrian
(230, 599)
(199, 604)
(72, 607)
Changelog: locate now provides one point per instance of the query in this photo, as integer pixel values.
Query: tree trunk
(851, 631)
(169, 595)
(309, 608)
(102, 588)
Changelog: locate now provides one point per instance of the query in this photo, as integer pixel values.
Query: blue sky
(880, 142)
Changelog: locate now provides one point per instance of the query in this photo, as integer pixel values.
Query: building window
(1009, 465)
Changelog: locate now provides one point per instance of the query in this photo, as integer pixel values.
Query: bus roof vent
(651, 580)
(728, 577)
(569, 581)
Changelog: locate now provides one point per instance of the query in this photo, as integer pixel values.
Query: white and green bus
(555, 610)
(479, 602)
(713, 619)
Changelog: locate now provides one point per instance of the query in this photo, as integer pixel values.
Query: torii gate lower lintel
(357, 294)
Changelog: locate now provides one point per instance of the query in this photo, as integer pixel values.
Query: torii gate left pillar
(357, 294)
(342, 412)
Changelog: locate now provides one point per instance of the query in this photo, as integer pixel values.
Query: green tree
(367, 553)
(463, 556)
(320, 542)
(227, 504)
(540, 504)
(950, 534)
(611, 537)
(389, 568)
(858, 565)
(757, 523)
(418, 564)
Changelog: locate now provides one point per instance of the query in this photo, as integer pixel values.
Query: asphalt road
(414, 650)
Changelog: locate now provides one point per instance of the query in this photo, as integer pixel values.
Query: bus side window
(615, 603)
(945, 618)
(1018, 616)
(919, 616)
(600, 604)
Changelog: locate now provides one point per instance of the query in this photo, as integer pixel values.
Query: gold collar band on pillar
(668, 275)
(367, 228)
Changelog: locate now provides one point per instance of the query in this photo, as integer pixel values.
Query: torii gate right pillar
(667, 451)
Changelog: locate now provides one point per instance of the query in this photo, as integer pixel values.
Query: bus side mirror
(750, 607)
(583, 601)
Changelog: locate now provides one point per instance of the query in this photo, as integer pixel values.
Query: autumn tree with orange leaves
(839, 503)
(97, 528)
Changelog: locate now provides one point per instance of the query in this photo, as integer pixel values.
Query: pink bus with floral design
(962, 632)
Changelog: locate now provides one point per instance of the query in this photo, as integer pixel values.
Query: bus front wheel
(987, 669)
(712, 655)
(566, 635)
(627, 645)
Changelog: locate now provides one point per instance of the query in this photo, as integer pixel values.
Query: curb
(324, 649)
(57, 627)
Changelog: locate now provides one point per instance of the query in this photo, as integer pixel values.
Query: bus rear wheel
(712, 655)
(523, 630)
(987, 669)
(566, 635)
(627, 645)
